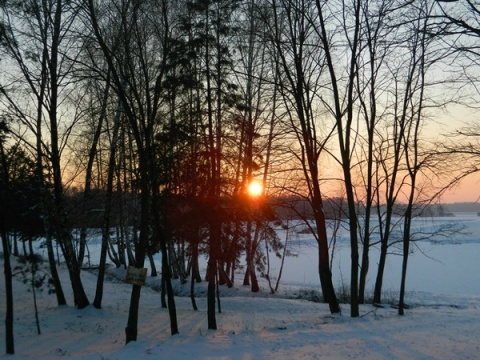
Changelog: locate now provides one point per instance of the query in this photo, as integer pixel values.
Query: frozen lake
(440, 265)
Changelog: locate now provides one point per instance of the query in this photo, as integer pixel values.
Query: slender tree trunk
(152, 264)
(354, 303)
(163, 290)
(211, 278)
(406, 250)
(253, 251)
(33, 271)
(344, 130)
(131, 329)
(104, 247)
(377, 294)
(365, 258)
(195, 267)
(61, 228)
(120, 259)
(97, 302)
(192, 291)
(326, 283)
(370, 113)
(89, 169)
(46, 201)
(53, 271)
(9, 335)
(413, 163)
(166, 277)
(214, 228)
(161, 238)
(30, 247)
(250, 275)
(15, 246)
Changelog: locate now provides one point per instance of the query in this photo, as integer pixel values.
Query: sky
(468, 190)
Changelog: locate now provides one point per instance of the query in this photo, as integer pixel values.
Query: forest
(196, 128)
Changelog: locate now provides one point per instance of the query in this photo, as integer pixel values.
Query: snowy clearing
(438, 325)
(250, 327)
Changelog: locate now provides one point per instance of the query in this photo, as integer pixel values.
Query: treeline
(154, 117)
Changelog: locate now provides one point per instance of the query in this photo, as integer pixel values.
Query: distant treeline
(462, 207)
(89, 212)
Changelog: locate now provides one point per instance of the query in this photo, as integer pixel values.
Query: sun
(255, 188)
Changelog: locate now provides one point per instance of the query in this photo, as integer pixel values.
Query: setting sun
(255, 188)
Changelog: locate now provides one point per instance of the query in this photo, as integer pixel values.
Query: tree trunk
(121, 246)
(152, 265)
(325, 274)
(82, 243)
(89, 169)
(195, 267)
(53, 271)
(9, 335)
(97, 302)
(363, 272)
(211, 277)
(192, 292)
(253, 252)
(166, 275)
(46, 200)
(250, 274)
(354, 303)
(195, 274)
(131, 330)
(107, 210)
(406, 249)
(60, 221)
(377, 295)
(163, 288)
(15, 246)
(79, 295)
(132, 323)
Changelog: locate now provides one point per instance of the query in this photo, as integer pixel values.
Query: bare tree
(300, 65)
(255, 72)
(92, 155)
(49, 87)
(403, 159)
(342, 109)
(413, 113)
(108, 207)
(139, 87)
(374, 47)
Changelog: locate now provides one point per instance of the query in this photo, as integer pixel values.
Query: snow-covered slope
(250, 327)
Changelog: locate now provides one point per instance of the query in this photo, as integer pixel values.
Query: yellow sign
(136, 276)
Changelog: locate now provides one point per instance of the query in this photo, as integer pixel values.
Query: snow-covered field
(443, 321)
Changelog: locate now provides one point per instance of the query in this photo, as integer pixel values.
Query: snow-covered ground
(443, 321)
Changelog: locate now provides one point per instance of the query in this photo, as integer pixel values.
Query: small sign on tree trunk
(136, 276)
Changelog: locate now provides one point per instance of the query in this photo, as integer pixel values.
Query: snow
(443, 321)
